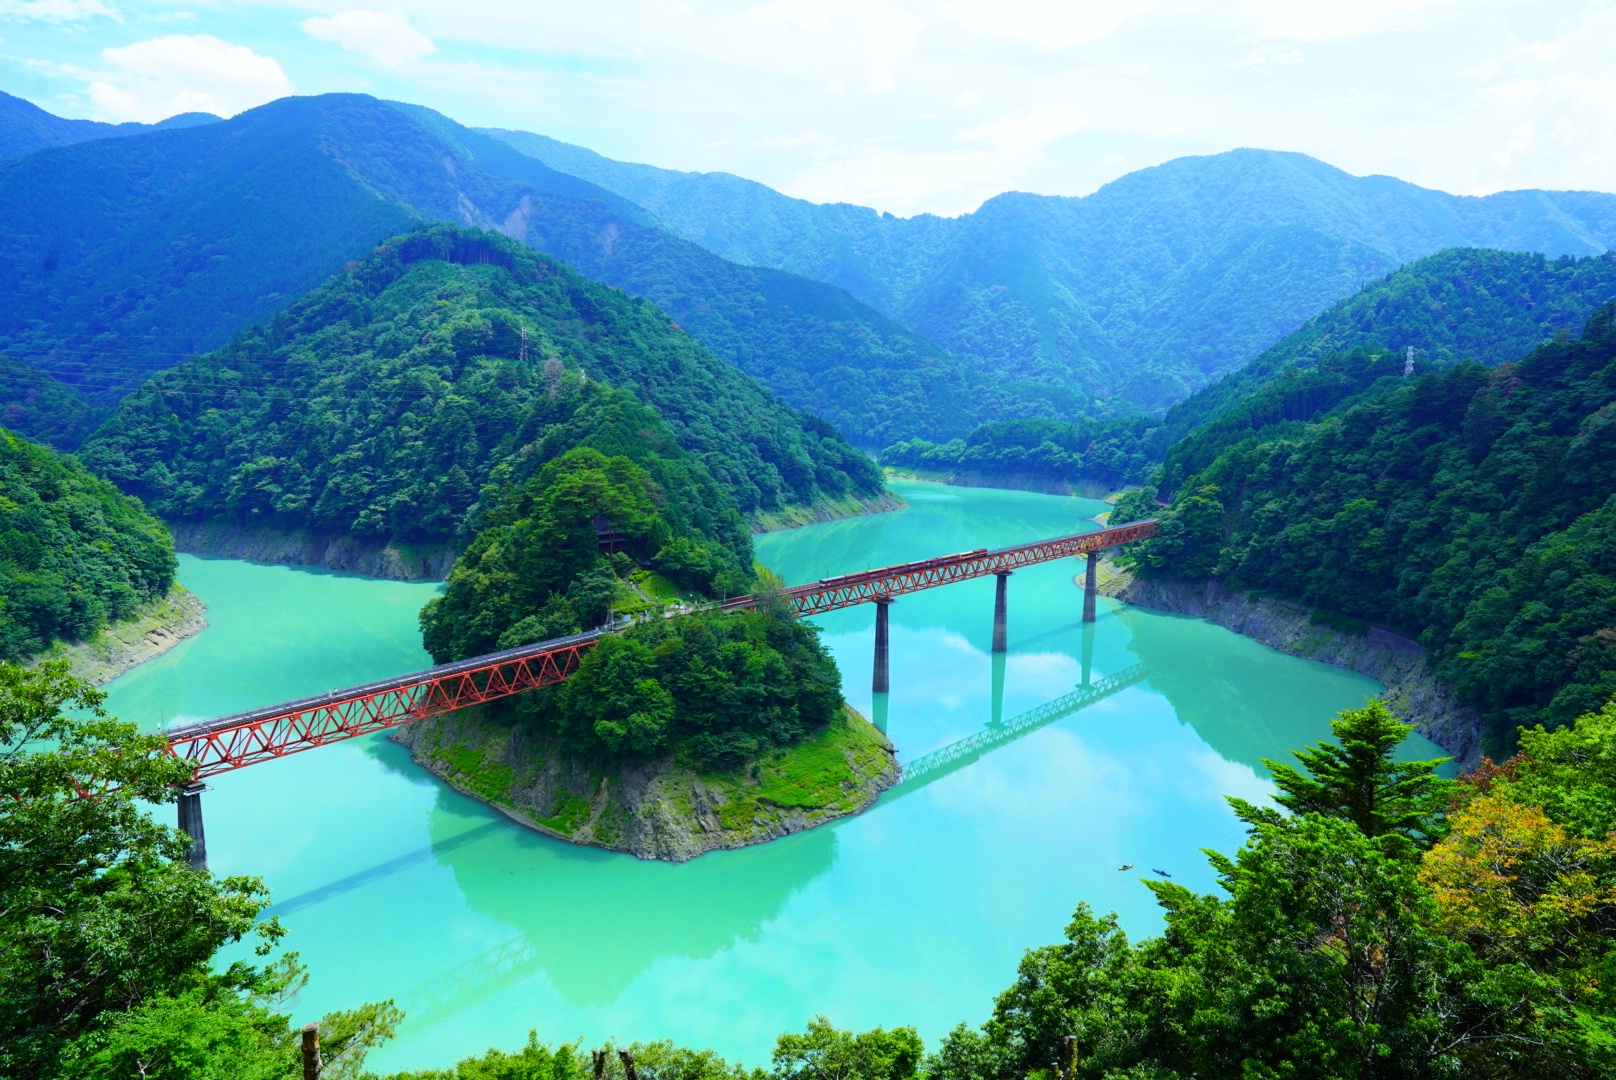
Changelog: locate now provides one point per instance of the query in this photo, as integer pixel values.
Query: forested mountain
(1461, 304)
(1473, 507)
(381, 403)
(120, 257)
(46, 409)
(25, 127)
(74, 553)
(1146, 290)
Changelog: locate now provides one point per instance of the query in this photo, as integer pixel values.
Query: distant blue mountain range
(121, 255)
(1146, 290)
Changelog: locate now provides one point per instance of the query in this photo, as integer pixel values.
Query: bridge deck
(247, 738)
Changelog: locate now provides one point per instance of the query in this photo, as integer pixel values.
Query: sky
(910, 107)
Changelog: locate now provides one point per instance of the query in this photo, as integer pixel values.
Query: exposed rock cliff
(301, 547)
(151, 631)
(657, 809)
(1412, 689)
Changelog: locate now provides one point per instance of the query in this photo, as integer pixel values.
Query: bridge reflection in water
(521, 956)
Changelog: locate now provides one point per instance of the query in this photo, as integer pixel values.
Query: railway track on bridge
(258, 735)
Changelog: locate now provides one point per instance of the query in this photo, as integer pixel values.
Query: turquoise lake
(915, 912)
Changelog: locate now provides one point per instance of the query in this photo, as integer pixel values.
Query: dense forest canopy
(44, 409)
(536, 570)
(75, 554)
(1469, 506)
(1110, 452)
(1462, 304)
(718, 688)
(380, 403)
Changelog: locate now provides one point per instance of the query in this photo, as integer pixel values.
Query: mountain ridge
(1125, 292)
(25, 127)
(119, 257)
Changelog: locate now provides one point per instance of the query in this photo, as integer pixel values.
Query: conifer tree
(1358, 779)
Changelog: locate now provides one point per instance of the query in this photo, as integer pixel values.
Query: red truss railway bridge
(234, 742)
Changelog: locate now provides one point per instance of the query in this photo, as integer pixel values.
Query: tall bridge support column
(882, 681)
(999, 590)
(1091, 588)
(191, 822)
(1088, 652)
(996, 713)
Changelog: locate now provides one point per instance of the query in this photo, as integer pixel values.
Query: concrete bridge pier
(191, 822)
(1091, 588)
(999, 635)
(882, 681)
(878, 711)
(1088, 652)
(998, 688)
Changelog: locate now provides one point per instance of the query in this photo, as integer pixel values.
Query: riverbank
(371, 556)
(658, 809)
(824, 509)
(155, 627)
(1399, 663)
(1015, 481)
(391, 560)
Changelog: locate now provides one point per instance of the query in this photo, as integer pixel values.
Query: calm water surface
(915, 912)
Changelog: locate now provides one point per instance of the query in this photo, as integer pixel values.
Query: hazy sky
(905, 106)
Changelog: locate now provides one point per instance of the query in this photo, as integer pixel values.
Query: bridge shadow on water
(386, 869)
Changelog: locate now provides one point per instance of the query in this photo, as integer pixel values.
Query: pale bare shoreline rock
(394, 561)
(1399, 663)
(152, 630)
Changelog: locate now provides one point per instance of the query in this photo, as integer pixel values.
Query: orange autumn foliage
(1513, 881)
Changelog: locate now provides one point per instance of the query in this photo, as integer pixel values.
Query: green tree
(824, 1052)
(1358, 779)
(535, 565)
(106, 932)
(75, 554)
(1190, 537)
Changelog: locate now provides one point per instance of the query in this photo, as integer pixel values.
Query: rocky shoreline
(1399, 663)
(152, 630)
(794, 517)
(393, 561)
(371, 556)
(656, 809)
(1018, 481)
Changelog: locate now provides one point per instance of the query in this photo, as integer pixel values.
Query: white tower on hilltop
(1408, 365)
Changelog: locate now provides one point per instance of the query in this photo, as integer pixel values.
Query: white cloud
(384, 36)
(1338, 20)
(155, 79)
(57, 11)
(936, 105)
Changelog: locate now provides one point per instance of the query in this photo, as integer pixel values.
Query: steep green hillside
(74, 553)
(380, 404)
(1105, 452)
(1462, 304)
(120, 257)
(1472, 507)
(1146, 290)
(38, 406)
